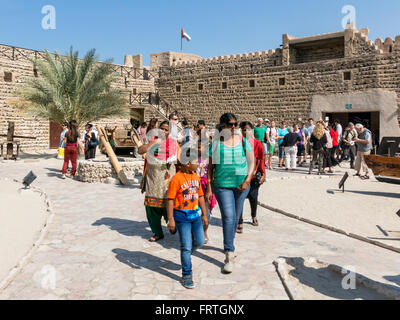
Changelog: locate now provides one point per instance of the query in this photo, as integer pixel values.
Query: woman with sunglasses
(161, 157)
(231, 166)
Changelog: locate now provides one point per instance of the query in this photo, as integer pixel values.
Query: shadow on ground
(37, 156)
(367, 193)
(394, 279)
(329, 283)
(139, 260)
(141, 228)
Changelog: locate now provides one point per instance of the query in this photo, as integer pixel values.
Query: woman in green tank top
(231, 166)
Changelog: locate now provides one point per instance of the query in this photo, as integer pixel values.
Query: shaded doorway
(55, 132)
(369, 120)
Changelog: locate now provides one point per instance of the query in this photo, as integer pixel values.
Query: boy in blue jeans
(186, 211)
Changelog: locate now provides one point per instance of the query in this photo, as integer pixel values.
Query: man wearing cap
(259, 133)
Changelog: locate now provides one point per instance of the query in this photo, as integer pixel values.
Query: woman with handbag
(318, 140)
(258, 176)
(91, 142)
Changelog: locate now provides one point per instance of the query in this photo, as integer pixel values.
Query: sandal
(205, 240)
(364, 177)
(357, 175)
(239, 230)
(156, 238)
(255, 223)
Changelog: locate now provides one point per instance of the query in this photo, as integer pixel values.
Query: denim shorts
(265, 148)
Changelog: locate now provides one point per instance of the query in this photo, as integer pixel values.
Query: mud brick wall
(15, 68)
(279, 84)
(272, 97)
(15, 62)
(317, 53)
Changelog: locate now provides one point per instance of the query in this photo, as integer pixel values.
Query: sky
(217, 27)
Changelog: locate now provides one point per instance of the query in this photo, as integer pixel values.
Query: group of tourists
(327, 145)
(187, 173)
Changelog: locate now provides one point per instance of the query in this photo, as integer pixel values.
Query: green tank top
(230, 163)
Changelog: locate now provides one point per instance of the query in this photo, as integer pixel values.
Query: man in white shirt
(339, 129)
(173, 124)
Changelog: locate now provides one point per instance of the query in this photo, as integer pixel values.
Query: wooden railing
(16, 53)
(162, 106)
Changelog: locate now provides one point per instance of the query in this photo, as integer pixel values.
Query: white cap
(266, 120)
(260, 119)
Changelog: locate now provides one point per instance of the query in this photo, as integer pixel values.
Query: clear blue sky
(217, 27)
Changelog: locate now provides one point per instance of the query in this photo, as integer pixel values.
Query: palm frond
(72, 89)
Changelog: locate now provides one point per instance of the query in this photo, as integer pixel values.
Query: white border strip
(42, 234)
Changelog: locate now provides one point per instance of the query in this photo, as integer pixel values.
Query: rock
(113, 181)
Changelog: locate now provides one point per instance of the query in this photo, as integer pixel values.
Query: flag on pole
(185, 35)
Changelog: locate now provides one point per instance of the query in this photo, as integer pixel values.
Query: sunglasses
(174, 119)
(231, 124)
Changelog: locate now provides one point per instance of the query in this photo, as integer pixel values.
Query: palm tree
(70, 88)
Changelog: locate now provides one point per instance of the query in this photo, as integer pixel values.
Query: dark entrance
(55, 132)
(369, 120)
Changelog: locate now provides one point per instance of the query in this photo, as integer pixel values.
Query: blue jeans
(191, 235)
(230, 201)
(281, 152)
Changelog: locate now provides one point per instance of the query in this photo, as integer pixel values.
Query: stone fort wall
(273, 84)
(16, 68)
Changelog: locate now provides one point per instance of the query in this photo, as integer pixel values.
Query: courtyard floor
(96, 246)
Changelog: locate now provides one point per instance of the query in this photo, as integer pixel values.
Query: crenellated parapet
(389, 45)
(234, 58)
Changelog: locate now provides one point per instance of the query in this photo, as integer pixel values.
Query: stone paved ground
(97, 245)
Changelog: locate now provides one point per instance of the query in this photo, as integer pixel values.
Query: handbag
(61, 152)
(93, 144)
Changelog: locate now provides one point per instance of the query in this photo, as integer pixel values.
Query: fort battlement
(243, 57)
(355, 43)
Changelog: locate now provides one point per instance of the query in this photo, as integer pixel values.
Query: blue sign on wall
(349, 106)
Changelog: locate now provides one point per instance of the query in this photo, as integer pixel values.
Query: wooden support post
(111, 155)
(10, 138)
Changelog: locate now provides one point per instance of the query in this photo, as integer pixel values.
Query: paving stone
(100, 249)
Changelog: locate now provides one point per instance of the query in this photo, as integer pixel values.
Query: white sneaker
(229, 260)
(63, 176)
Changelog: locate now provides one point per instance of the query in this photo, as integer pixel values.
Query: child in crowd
(186, 211)
(202, 173)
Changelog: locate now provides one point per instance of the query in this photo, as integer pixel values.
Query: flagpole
(181, 38)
